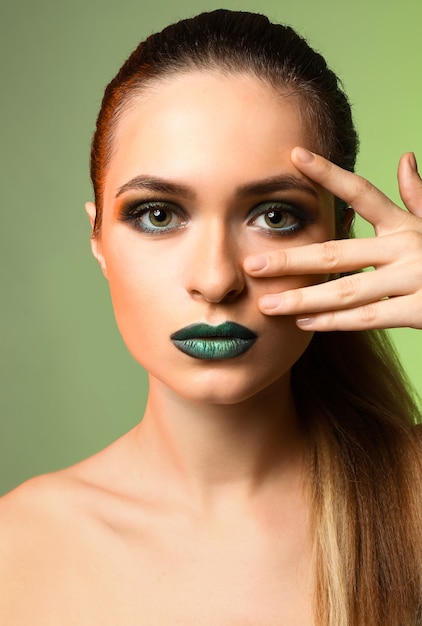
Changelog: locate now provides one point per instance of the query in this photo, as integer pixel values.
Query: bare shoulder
(60, 501)
(55, 513)
(40, 527)
(29, 513)
(33, 498)
(59, 534)
(47, 505)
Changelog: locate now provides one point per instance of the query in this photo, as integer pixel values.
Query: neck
(212, 449)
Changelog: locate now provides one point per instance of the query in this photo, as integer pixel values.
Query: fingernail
(304, 321)
(413, 163)
(255, 263)
(270, 302)
(304, 155)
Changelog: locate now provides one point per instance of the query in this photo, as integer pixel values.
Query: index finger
(373, 205)
(332, 256)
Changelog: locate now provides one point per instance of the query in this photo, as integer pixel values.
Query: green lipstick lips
(225, 341)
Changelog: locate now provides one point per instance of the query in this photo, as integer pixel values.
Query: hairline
(145, 84)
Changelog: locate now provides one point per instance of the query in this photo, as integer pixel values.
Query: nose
(215, 270)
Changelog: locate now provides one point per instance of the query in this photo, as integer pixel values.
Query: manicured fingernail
(304, 155)
(256, 263)
(304, 321)
(270, 302)
(413, 163)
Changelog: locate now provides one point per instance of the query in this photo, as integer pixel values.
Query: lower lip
(214, 348)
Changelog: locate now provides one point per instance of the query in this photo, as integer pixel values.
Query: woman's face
(201, 178)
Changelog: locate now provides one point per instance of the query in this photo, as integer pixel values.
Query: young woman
(275, 477)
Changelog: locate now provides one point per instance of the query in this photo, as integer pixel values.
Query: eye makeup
(275, 218)
(154, 217)
(279, 218)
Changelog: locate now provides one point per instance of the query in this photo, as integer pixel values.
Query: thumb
(410, 183)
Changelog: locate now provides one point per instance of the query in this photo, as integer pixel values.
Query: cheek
(139, 291)
(135, 271)
(148, 296)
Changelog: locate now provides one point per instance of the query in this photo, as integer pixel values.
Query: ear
(96, 246)
(348, 217)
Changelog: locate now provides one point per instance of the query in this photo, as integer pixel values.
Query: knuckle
(368, 314)
(331, 253)
(407, 248)
(347, 288)
(412, 240)
(362, 188)
(404, 242)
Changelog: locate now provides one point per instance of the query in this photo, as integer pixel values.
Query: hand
(388, 297)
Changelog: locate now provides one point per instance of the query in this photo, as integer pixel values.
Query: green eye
(158, 217)
(276, 218)
(154, 216)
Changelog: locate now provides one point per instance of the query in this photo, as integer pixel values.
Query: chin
(219, 386)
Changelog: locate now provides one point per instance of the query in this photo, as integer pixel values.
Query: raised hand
(388, 297)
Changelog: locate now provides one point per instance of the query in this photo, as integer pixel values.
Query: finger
(410, 183)
(391, 313)
(365, 198)
(333, 256)
(343, 293)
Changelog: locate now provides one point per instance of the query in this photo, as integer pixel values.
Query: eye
(153, 216)
(158, 217)
(279, 217)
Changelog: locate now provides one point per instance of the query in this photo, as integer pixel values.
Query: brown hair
(364, 463)
(235, 42)
(365, 471)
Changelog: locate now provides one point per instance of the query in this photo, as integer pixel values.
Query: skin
(199, 267)
(387, 298)
(198, 515)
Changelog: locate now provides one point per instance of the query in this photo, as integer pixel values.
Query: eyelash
(301, 216)
(134, 212)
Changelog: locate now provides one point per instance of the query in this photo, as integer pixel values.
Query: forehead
(204, 124)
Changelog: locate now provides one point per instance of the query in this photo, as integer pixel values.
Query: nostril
(216, 297)
(232, 295)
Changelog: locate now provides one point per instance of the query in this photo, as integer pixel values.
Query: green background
(68, 384)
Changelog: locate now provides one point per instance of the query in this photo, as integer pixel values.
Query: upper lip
(206, 331)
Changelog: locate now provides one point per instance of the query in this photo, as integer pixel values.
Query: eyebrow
(255, 188)
(276, 183)
(150, 183)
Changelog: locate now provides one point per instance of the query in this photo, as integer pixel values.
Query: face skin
(213, 135)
